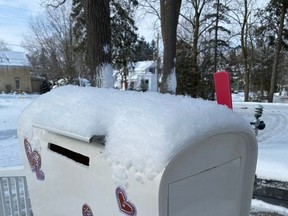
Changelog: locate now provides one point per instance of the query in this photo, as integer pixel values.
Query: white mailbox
(105, 152)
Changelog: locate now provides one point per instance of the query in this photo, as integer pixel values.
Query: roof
(12, 58)
(143, 65)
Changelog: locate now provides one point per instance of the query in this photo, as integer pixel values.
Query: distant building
(141, 76)
(14, 72)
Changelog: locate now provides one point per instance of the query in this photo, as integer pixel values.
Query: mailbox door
(205, 192)
(211, 177)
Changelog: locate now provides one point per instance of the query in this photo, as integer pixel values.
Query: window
(131, 86)
(17, 83)
(144, 85)
(152, 70)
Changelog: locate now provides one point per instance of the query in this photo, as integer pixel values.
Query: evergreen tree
(124, 35)
(144, 50)
(220, 43)
(220, 30)
(184, 65)
(206, 67)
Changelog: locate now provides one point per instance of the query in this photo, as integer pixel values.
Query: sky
(15, 16)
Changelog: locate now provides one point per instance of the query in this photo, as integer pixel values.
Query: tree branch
(57, 5)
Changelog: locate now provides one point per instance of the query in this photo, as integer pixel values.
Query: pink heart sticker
(125, 206)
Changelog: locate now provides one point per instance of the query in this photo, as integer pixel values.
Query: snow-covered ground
(11, 105)
(272, 141)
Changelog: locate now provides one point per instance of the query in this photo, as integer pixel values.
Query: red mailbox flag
(223, 88)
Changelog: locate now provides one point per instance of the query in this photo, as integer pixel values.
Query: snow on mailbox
(90, 151)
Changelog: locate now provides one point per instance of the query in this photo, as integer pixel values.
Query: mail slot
(84, 161)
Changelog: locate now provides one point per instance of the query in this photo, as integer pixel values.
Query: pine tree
(144, 50)
(219, 43)
(220, 30)
(124, 35)
(184, 65)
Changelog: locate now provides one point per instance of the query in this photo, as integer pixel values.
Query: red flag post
(223, 88)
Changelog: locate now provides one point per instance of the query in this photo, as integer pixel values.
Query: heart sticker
(34, 159)
(86, 210)
(125, 206)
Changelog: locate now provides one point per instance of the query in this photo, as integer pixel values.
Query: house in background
(142, 76)
(14, 72)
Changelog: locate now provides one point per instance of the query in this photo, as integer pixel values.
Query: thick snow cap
(143, 130)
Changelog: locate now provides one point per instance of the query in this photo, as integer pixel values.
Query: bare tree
(170, 10)
(283, 11)
(241, 14)
(151, 9)
(191, 28)
(244, 46)
(50, 44)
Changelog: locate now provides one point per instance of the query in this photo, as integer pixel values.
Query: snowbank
(143, 130)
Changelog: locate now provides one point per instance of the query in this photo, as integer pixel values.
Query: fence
(14, 196)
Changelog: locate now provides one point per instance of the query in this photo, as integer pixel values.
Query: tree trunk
(195, 72)
(216, 36)
(169, 19)
(277, 53)
(97, 16)
(244, 52)
(216, 45)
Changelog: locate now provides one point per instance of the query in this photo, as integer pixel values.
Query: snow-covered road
(272, 141)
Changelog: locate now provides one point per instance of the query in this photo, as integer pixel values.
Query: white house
(142, 76)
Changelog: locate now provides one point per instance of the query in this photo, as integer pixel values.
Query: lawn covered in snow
(11, 106)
